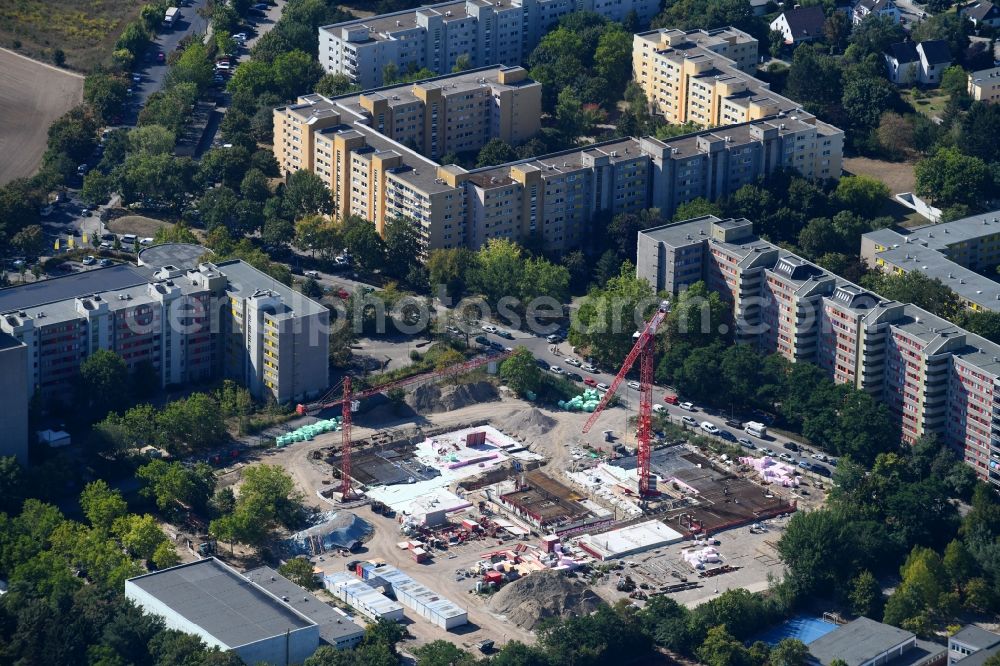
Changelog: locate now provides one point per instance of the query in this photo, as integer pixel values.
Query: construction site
(468, 512)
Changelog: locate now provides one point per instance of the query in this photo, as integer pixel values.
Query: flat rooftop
(223, 603)
(72, 286)
(244, 280)
(634, 538)
(333, 624)
(180, 255)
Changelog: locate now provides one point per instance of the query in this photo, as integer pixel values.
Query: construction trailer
(362, 597)
(424, 602)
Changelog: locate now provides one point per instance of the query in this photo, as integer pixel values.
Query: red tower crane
(644, 344)
(349, 399)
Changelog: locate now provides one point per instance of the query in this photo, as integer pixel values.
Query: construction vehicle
(350, 402)
(645, 341)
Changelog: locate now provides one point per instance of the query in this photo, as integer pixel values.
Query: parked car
(454, 330)
(733, 423)
(635, 386)
(590, 381)
(540, 362)
(688, 406)
(555, 369)
(573, 376)
(312, 274)
(746, 443)
(601, 386)
(104, 262)
(726, 435)
(506, 335)
(710, 428)
(343, 293)
(146, 241)
(690, 421)
(490, 328)
(587, 367)
(497, 346)
(161, 57)
(659, 409)
(821, 470)
(481, 339)
(671, 399)
(89, 260)
(573, 361)
(804, 465)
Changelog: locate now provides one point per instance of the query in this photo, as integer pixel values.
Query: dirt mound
(543, 594)
(433, 398)
(531, 423)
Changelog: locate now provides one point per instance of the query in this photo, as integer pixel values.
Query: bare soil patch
(138, 225)
(897, 176)
(32, 95)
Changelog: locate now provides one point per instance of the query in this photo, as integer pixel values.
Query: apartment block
(933, 376)
(703, 77)
(958, 253)
(14, 424)
(190, 324)
(486, 32)
(984, 85)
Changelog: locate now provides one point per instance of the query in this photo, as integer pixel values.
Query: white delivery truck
(755, 429)
(170, 18)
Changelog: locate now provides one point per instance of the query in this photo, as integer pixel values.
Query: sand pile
(531, 423)
(433, 398)
(543, 594)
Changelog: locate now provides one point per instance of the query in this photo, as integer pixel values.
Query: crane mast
(643, 351)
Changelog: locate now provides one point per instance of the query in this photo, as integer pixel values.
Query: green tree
(610, 315)
(254, 186)
(442, 653)
(520, 372)
(105, 94)
(866, 595)
(861, 194)
(165, 556)
(151, 140)
(496, 151)
(789, 652)
(814, 80)
(299, 570)
(955, 81)
(402, 246)
(572, 121)
(696, 208)
(866, 99)
(775, 43)
(462, 63)
(875, 34)
(721, 649)
(102, 374)
(295, 73)
(102, 505)
(364, 243)
(30, 240)
(306, 194)
(174, 485)
(613, 59)
(948, 177)
(140, 535)
(334, 85)
(191, 423)
(316, 233)
(193, 66)
(450, 268)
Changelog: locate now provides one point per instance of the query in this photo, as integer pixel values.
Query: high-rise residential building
(372, 151)
(703, 77)
(932, 375)
(13, 397)
(958, 253)
(189, 324)
(437, 37)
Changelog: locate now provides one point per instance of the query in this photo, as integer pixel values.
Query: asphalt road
(153, 73)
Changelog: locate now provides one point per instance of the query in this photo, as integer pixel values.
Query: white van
(756, 429)
(128, 240)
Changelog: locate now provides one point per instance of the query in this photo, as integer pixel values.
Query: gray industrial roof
(976, 637)
(981, 657)
(222, 602)
(244, 280)
(69, 287)
(333, 624)
(857, 642)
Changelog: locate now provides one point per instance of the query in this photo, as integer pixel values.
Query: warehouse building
(335, 627)
(210, 600)
(362, 597)
(933, 376)
(865, 642)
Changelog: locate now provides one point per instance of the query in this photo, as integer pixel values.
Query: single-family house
(865, 8)
(802, 24)
(982, 13)
(911, 64)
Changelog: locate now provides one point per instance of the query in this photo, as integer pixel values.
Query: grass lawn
(931, 105)
(85, 31)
